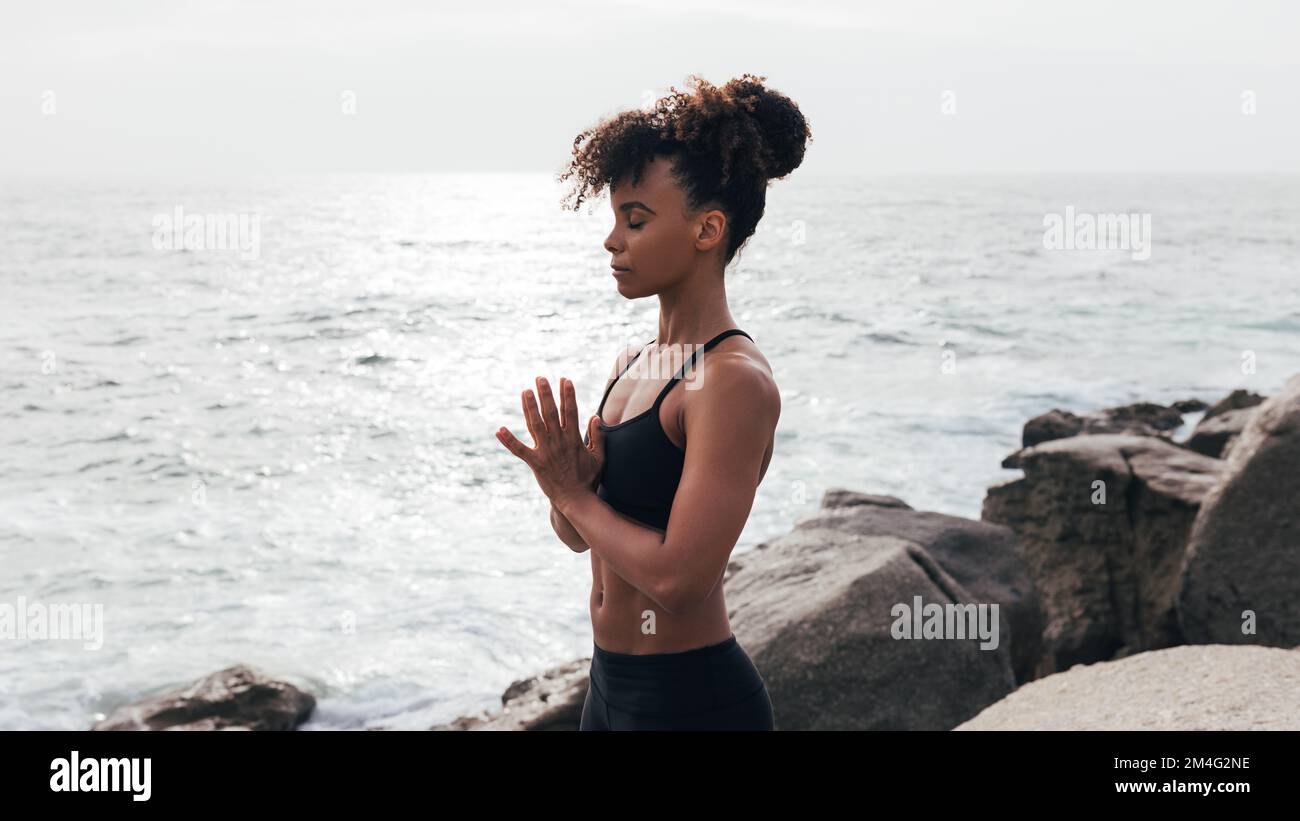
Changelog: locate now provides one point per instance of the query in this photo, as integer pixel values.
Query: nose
(610, 244)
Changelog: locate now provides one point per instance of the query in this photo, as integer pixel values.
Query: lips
(618, 270)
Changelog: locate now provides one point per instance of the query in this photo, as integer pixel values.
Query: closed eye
(635, 224)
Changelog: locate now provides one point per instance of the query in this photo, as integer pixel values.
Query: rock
(815, 611)
(1189, 405)
(834, 497)
(1192, 687)
(1142, 419)
(1237, 400)
(842, 497)
(236, 698)
(1244, 552)
(1139, 419)
(550, 701)
(980, 556)
(1214, 435)
(1055, 424)
(1101, 524)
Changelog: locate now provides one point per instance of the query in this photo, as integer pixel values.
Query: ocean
(281, 452)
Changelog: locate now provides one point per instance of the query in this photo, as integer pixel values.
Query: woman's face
(655, 239)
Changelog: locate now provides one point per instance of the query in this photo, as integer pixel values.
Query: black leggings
(708, 688)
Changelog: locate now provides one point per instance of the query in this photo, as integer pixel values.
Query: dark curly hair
(726, 143)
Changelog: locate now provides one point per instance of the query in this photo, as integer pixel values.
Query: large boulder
(980, 556)
(1101, 524)
(1191, 687)
(237, 698)
(820, 612)
(550, 701)
(1241, 579)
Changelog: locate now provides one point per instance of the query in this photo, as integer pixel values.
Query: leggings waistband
(682, 657)
(687, 682)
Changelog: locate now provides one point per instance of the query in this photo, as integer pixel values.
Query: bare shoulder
(739, 377)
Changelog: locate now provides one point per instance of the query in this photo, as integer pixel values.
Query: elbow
(676, 598)
(567, 536)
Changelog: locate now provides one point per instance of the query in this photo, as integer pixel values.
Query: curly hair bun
(783, 132)
(727, 142)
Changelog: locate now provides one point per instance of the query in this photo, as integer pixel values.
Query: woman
(660, 487)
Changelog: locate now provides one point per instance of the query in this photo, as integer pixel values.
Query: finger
(569, 411)
(550, 415)
(597, 443)
(516, 447)
(533, 418)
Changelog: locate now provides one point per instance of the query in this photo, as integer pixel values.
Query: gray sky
(227, 87)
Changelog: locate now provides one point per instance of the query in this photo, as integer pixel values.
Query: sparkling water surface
(289, 460)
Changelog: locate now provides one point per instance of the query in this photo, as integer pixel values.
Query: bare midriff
(626, 620)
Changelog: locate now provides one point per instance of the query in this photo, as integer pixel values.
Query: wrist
(568, 503)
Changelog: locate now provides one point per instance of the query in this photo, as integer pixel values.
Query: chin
(630, 290)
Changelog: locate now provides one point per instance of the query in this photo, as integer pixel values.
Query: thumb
(596, 437)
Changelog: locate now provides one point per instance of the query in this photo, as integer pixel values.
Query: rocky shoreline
(1126, 580)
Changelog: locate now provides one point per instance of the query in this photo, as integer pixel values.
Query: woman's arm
(562, 526)
(730, 426)
(566, 532)
(564, 529)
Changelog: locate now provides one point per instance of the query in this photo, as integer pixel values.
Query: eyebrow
(628, 206)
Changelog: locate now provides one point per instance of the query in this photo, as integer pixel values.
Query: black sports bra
(642, 465)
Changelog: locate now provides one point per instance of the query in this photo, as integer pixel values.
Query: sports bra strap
(610, 386)
(707, 345)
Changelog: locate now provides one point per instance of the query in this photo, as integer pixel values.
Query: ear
(712, 229)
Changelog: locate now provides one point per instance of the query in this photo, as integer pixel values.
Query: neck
(694, 310)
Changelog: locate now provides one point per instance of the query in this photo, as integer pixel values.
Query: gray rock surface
(1101, 524)
(236, 698)
(980, 556)
(1214, 436)
(1244, 551)
(1238, 399)
(1191, 687)
(815, 609)
(550, 701)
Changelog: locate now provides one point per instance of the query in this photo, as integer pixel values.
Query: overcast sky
(173, 87)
